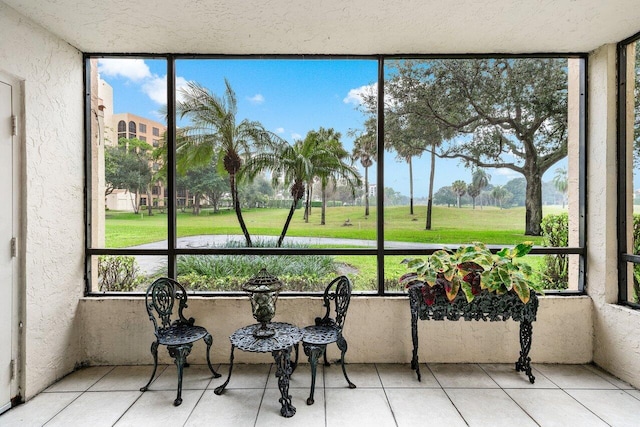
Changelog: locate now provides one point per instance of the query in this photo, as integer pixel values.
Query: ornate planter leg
(180, 354)
(218, 390)
(414, 303)
(283, 372)
(524, 362)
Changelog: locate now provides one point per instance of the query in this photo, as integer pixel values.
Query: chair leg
(154, 352)
(314, 352)
(342, 345)
(294, 364)
(208, 339)
(179, 353)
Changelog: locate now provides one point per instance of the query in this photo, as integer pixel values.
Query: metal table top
(285, 336)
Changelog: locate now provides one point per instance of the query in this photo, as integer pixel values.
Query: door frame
(18, 303)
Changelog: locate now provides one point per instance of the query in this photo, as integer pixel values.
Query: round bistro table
(280, 344)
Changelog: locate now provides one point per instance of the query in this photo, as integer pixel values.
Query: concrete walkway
(152, 264)
(215, 240)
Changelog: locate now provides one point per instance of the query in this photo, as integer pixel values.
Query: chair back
(339, 291)
(160, 300)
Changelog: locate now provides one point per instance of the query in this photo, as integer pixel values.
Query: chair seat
(319, 335)
(180, 334)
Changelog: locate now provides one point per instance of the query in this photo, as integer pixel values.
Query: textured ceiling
(335, 26)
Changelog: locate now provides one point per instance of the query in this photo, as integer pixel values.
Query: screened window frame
(172, 251)
(624, 258)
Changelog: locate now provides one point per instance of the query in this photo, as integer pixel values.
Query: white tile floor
(387, 395)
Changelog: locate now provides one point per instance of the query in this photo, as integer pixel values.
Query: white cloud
(132, 69)
(280, 130)
(256, 99)
(295, 136)
(136, 71)
(156, 88)
(356, 96)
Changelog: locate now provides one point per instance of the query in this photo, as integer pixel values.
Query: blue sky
(289, 97)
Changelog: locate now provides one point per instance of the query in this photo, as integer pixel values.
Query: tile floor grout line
(596, 371)
(548, 378)
(200, 398)
(509, 396)
(194, 406)
(81, 393)
(627, 391)
(129, 407)
(446, 394)
(393, 414)
(65, 407)
(584, 406)
(264, 391)
(479, 365)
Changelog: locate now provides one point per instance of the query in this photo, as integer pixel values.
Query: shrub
(636, 250)
(228, 272)
(118, 273)
(555, 271)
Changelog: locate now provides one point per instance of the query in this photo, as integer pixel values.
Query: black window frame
(172, 251)
(624, 258)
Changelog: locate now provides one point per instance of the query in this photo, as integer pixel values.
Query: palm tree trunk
(410, 185)
(236, 207)
(286, 224)
(324, 205)
(366, 191)
(149, 202)
(307, 203)
(430, 198)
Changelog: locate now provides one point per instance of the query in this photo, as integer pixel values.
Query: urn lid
(262, 282)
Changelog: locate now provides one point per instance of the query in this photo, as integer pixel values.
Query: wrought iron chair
(177, 335)
(327, 330)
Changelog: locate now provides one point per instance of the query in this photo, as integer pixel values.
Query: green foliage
(306, 273)
(460, 270)
(636, 250)
(555, 231)
(118, 273)
(490, 111)
(127, 167)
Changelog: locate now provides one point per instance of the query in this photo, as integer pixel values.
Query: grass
(449, 225)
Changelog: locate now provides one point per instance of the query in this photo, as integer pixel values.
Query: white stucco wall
(59, 332)
(52, 191)
(117, 331)
(616, 340)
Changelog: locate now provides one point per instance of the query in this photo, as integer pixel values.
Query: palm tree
(500, 194)
(214, 130)
(296, 164)
(333, 167)
(473, 191)
(365, 150)
(480, 179)
(561, 182)
(459, 187)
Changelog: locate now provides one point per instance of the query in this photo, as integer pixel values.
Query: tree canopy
(495, 113)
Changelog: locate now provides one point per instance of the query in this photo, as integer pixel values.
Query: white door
(6, 254)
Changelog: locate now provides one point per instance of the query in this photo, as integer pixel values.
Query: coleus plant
(471, 269)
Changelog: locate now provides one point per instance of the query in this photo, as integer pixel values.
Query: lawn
(449, 225)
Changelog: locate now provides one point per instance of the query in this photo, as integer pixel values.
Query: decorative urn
(263, 292)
